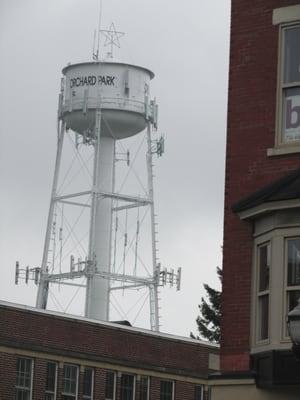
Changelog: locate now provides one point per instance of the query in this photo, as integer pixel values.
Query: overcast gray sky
(186, 45)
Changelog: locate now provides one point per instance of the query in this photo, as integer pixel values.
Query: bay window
(276, 279)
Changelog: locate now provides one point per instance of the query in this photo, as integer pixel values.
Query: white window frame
(134, 384)
(173, 387)
(277, 236)
(285, 17)
(202, 391)
(260, 294)
(91, 397)
(31, 377)
(287, 288)
(56, 379)
(115, 384)
(77, 381)
(148, 385)
(283, 86)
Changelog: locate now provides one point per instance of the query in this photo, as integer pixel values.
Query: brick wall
(8, 362)
(7, 375)
(41, 331)
(44, 335)
(251, 131)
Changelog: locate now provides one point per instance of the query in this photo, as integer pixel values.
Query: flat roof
(141, 331)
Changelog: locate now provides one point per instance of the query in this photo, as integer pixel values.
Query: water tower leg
(154, 309)
(42, 295)
(97, 293)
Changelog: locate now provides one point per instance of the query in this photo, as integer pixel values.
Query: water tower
(101, 103)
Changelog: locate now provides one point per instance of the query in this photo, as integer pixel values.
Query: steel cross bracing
(42, 295)
(84, 269)
(136, 201)
(138, 281)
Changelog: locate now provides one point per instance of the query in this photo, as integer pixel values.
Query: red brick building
(261, 267)
(52, 356)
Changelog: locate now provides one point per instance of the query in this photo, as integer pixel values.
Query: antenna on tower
(97, 35)
(112, 37)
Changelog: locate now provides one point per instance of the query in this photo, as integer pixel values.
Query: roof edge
(261, 195)
(105, 324)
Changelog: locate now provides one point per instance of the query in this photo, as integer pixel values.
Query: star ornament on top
(112, 37)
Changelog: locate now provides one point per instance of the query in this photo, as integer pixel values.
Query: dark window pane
(293, 262)
(22, 394)
(209, 393)
(127, 387)
(51, 376)
(292, 55)
(88, 382)
(166, 390)
(109, 385)
(28, 373)
(264, 267)
(263, 317)
(198, 392)
(144, 383)
(293, 297)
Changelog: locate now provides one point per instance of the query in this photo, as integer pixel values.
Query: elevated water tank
(119, 89)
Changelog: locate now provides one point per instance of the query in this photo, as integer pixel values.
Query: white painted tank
(119, 89)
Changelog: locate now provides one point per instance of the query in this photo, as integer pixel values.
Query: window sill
(286, 340)
(279, 151)
(271, 346)
(262, 342)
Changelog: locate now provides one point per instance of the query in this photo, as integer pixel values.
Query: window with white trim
(144, 387)
(88, 383)
(276, 274)
(166, 390)
(51, 381)
(289, 86)
(70, 382)
(263, 290)
(110, 385)
(198, 392)
(24, 378)
(127, 387)
(292, 273)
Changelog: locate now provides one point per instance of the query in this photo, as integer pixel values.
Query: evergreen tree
(209, 318)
